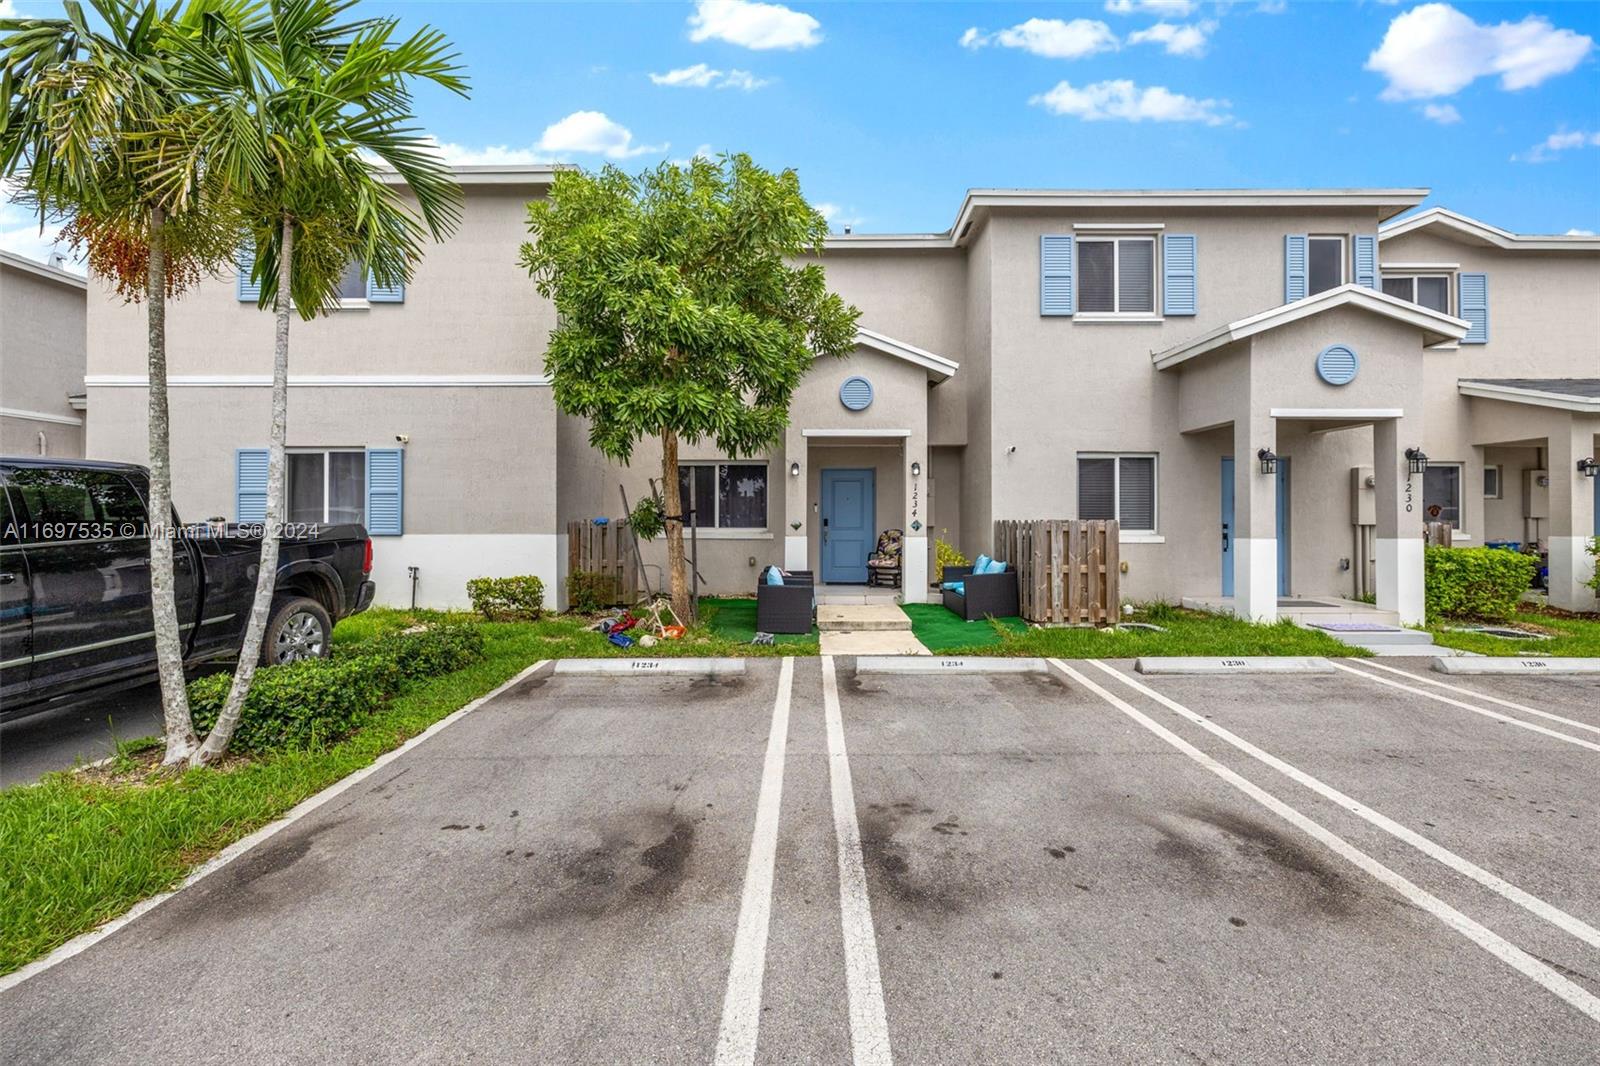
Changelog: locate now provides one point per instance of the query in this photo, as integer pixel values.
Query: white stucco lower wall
(914, 578)
(1400, 577)
(1255, 578)
(447, 561)
(1571, 567)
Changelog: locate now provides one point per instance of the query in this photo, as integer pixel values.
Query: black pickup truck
(75, 613)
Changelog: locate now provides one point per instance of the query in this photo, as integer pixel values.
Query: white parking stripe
(1480, 935)
(1567, 923)
(1484, 696)
(741, 1005)
(869, 1025)
(1591, 745)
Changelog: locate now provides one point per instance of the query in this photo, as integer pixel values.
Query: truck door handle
(7, 579)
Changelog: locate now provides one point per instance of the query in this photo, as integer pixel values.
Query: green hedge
(316, 701)
(1476, 582)
(507, 599)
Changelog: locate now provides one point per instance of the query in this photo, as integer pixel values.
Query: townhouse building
(1272, 390)
(42, 358)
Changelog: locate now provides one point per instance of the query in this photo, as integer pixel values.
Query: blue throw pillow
(958, 587)
(774, 576)
(996, 566)
(980, 566)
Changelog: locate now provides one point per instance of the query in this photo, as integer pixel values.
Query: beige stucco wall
(42, 359)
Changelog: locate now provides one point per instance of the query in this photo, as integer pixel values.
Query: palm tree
(82, 105)
(292, 125)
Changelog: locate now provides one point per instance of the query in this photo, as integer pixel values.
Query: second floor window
(353, 285)
(1429, 290)
(1324, 264)
(1117, 275)
(327, 487)
(725, 495)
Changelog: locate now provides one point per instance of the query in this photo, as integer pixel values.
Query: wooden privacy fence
(606, 550)
(1067, 570)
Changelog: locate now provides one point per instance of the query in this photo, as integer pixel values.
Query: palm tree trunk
(221, 734)
(674, 505)
(175, 715)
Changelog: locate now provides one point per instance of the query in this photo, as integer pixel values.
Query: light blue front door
(848, 507)
(1228, 527)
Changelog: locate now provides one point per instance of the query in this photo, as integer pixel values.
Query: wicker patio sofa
(785, 608)
(983, 595)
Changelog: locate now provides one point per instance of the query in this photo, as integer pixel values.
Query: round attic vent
(1337, 364)
(856, 393)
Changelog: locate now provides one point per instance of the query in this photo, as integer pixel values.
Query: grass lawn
(734, 620)
(1187, 633)
(1573, 635)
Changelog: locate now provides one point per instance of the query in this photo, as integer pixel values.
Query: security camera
(402, 438)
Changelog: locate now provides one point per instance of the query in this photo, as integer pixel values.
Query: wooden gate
(606, 550)
(1067, 570)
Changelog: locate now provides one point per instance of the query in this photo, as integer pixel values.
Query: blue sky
(891, 111)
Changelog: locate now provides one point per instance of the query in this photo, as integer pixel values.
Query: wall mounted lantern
(1416, 460)
(794, 469)
(916, 469)
(1269, 461)
(1588, 467)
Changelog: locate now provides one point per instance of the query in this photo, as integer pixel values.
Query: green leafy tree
(291, 122)
(84, 105)
(683, 314)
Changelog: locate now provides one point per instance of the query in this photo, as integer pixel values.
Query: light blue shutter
(1178, 280)
(250, 484)
(1474, 304)
(385, 482)
(385, 294)
(1294, 268)
(248, 290)
(1366, 251)
(1055, 274)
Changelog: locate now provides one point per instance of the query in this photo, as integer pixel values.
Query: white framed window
(1325, 263)
(724, 495)
(1116, 276)
(326, 486)
(1426, 290)
(1120, 486)
(1441, 493)
(1491, 482)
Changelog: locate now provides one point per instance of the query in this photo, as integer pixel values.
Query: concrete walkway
(866, 629)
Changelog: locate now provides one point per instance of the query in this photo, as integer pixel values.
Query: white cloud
(1435, 50)
(8, 10)
(594, 133)
(460, 155)
(838, 217)
(1275, 7)
(20, 231)
(1050, 38)
(1189, 39)
(1580, 233)
(1164, 8)
(753, 25)
(701, 76)
(1443, 114)
(1123, 100)
(703, 152)
(1558, 142)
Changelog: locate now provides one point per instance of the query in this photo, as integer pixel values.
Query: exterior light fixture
(794, 469)
(1588, 467)
(1416, 460)
(1269, 461)
(916, 469)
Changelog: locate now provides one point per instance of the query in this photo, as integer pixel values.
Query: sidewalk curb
(1240, 664)
(1531, 666)
(84, 941)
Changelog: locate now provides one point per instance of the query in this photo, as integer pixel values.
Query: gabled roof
(938, 367)
(1567, 394)
(1459, 227)
(43, 270)
(492, 173)
(1436, 327)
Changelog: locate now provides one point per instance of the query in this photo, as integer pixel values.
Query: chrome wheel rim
(300, 637)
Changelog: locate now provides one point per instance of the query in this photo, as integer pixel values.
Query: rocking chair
(883, 565)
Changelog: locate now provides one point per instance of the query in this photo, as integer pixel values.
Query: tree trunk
(674, 505)
(221, 734)
(177, 722)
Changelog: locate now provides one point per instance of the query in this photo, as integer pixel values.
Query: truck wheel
(298, 629)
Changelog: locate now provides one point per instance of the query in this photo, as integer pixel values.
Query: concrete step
(1371, 634)
(861, 618)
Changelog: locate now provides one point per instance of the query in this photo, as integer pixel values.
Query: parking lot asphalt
(64, 737)
(806, 864)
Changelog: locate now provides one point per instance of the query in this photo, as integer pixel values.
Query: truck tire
(299, 628)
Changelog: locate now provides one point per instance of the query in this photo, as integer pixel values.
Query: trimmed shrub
(316, 701)
(588, 591)
(1593, 548)
(502, 599)
(945, 554)
(1475, 582)
(299, 705)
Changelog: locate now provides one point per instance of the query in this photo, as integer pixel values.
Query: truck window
(116, 501)
(54, 497)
